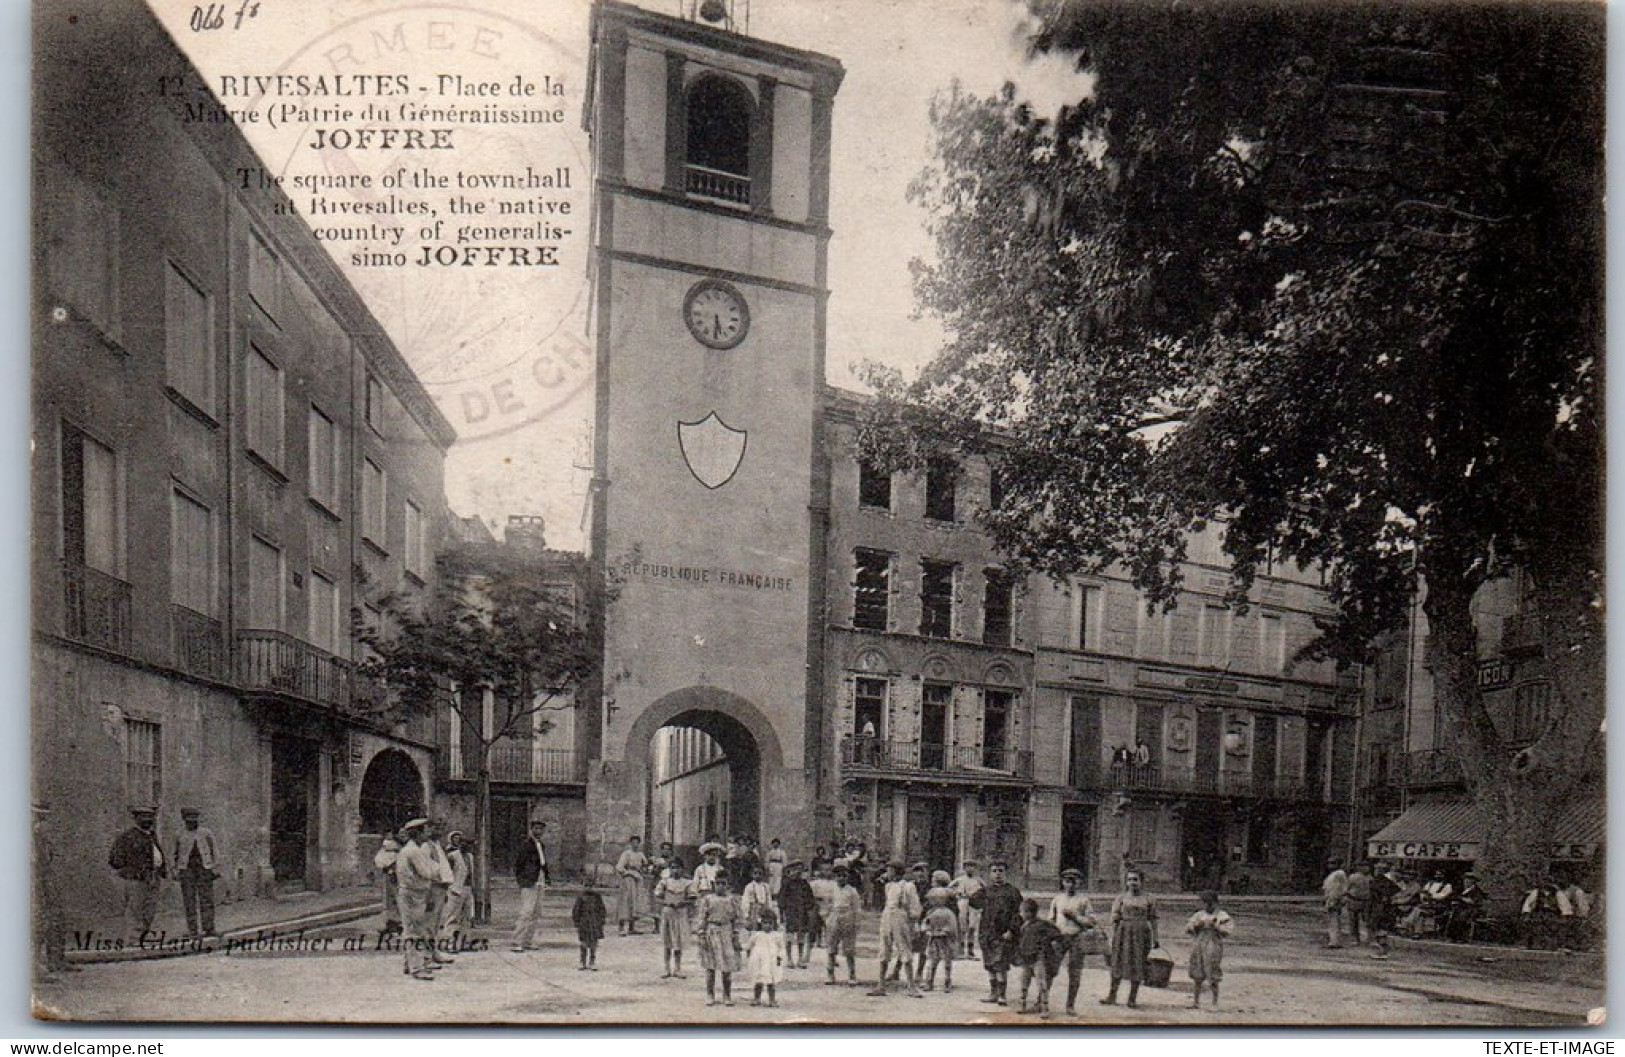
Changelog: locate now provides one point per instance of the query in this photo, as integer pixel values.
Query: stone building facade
(229, 460)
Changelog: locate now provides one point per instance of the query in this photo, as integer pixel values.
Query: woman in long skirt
(629, 869)
(1134, 933)
(717, 928)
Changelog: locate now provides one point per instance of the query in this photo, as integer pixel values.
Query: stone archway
(739, 728)
(391, 792)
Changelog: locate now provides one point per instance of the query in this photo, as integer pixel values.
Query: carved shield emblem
(712, 448)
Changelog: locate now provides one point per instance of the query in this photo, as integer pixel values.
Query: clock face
(716, 314)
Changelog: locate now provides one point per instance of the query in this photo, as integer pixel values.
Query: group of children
(925, 924)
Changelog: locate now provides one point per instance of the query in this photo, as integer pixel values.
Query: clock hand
(716, 326)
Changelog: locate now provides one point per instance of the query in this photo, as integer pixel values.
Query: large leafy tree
(496, 620)
(1332, 273)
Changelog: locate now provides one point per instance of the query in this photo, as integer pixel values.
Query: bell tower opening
(720, 112)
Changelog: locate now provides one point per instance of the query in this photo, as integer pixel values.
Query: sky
(502, 350)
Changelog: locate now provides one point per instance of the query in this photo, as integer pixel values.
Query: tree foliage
(495, 620)
(1331, 273)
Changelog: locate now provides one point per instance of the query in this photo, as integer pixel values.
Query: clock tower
(711, 185)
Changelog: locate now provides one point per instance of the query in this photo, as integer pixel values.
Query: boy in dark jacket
(1039, 953)
(1000, 904)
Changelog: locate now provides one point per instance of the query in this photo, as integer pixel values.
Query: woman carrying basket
(1134, 934)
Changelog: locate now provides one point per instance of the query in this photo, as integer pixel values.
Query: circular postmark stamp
(437, 152)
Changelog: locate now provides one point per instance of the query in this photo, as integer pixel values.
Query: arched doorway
(705, 781)
(391, 792)
(704, 753)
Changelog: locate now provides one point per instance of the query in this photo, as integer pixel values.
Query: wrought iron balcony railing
(1153, 778)
(279, 663)
(95, 607)
(199, 644)
(517, 762)
(878, 754)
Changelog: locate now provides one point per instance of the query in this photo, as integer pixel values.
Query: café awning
(1453, 830)
(1445, 830)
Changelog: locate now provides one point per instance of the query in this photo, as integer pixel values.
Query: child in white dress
(764, 957)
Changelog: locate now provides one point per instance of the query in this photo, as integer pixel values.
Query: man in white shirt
(439, 892)
(1334, 890)
(196, 858)
(416, 874)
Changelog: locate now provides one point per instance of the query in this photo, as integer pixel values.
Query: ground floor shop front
(297, 800)
(1236, 846)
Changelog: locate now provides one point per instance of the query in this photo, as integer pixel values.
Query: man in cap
(139, 862)
(197, 857)
(530, 870)
(1000, 904)
(416, 873)
(1072, 914)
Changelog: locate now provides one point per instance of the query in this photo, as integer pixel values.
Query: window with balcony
(264, 585)
(871, 590)
(869, 708)
(92, 523)
(941, 482)
(996, 708)
(325, 471)
(188, 339)
(82, 252)
(191, 554)
(937, 599)
(720, 111)
(1083, 756)
(874, 487)
(936, 711)
(998, 607)
(264, 409)
(324, 613)
(143, 763)
(374, 496)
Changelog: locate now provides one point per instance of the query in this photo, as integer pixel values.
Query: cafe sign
(1422, 849)
(1446, 850)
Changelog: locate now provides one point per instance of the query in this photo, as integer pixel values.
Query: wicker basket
(1159, 968)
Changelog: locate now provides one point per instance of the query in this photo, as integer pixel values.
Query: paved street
(1275, 974)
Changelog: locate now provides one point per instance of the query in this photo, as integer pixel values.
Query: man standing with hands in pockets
(530, 870)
